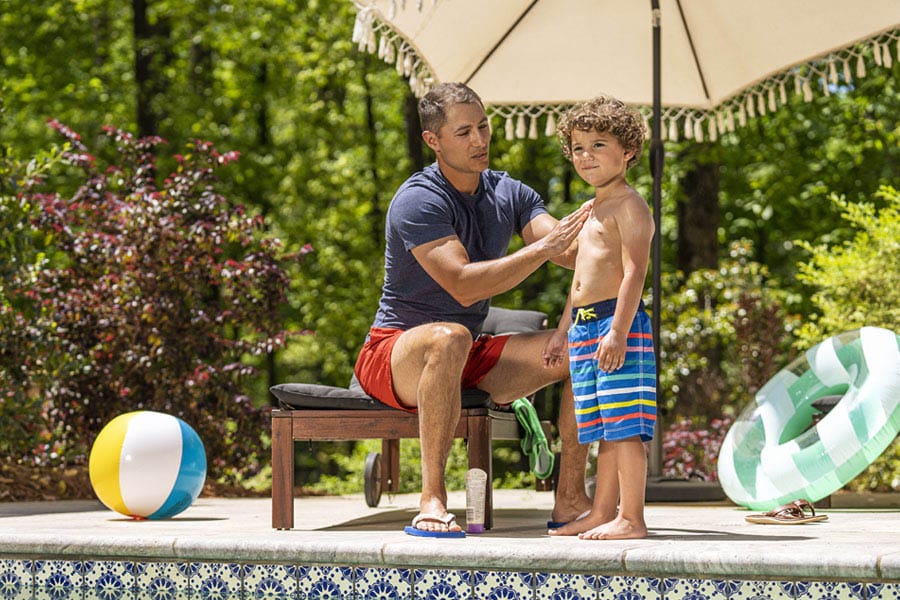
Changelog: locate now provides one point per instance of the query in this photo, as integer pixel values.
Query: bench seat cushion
(315, 396)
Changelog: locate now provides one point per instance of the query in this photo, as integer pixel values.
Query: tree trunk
(150, 52)
(698, 215)
(414, 142)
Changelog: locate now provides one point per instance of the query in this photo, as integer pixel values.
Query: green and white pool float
(771, 455)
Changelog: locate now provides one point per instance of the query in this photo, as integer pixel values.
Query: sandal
(534, 442)
(792, 513)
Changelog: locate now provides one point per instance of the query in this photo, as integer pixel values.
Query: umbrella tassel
(688, 128)
(673, 131)
(848, 79)
(713, 131)
(520, 127)
(876, 50)
(729, 121)
(532, 129)
(860, 67)
(550, 129)
(510, 128)
(698, 130)
(782, 93)
(772, 106)
(760, 104)
(887, 59)
(826, 87)
(751, 110)
(807, 91)
(832, 73)
(798, 84)
(742, 115)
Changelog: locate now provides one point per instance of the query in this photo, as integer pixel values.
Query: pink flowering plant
(691, 448)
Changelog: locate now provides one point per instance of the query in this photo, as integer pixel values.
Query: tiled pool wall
(69, 579)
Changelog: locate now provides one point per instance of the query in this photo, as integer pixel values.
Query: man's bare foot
(433, 517)
(617, 529)
(566, 511)
(585, 522)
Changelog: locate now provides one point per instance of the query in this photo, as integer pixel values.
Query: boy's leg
(631, 465)
(520, 372)
(606, 494)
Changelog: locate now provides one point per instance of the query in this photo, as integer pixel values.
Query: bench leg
(282, 471)
(479, 446)
(390, 462)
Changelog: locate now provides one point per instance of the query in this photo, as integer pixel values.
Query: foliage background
(325, 136)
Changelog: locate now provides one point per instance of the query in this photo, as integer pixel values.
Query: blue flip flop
(556, 524)
(446, 519)
(534, 442)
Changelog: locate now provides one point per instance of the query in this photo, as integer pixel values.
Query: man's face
(462, 144)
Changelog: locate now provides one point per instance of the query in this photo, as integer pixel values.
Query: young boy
(609, 334)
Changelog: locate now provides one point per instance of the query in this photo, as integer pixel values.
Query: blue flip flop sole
(433, 534)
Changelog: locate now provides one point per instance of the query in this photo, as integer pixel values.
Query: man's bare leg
(521, 372)
(631, 461)
(426, 366)
(606, 495)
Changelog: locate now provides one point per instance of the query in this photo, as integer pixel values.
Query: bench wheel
(372, 481)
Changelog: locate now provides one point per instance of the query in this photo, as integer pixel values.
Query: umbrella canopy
(721, 61)
(696, 68)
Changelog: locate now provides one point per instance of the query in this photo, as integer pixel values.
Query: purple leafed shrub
(161, 294)
(691, 448)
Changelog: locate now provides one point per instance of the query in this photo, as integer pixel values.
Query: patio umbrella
(696, 69)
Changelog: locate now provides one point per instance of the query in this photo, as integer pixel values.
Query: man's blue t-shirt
(426, 208)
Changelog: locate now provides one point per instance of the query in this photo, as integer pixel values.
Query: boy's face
(463, 142)
(598, 157)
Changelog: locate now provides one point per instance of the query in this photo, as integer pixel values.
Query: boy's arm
(636, 228)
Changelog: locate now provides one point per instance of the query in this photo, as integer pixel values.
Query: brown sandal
(792, 513)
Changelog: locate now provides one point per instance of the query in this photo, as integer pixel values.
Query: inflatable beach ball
(147, 465)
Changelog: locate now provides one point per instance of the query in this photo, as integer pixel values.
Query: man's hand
(561, 237)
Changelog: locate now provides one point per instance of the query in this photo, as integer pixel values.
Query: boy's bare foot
(585, 522)
(617, 529)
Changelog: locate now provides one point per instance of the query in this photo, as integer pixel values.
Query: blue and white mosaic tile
(16, 580)
(883, 591)
(325, 583)
(567, 586)
(162, 580)
(270, 582)
(695, 589)
(631, 588)
(383, 584)
(442, 584)
(831, 590)
(215, 581)
(109, 580)
(502, 585)
(58, 579)
(764, 590)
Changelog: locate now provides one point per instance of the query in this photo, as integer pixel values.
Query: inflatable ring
(771, 455)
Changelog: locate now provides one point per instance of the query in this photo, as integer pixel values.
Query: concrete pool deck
(686, 540)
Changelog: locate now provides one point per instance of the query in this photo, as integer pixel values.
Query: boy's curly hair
(603, 114)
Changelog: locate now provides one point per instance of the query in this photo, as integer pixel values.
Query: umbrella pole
(656, 168)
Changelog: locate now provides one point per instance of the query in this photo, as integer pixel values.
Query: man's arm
(447, 261)
(542, 225)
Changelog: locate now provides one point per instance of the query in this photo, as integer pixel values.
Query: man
(447, 237)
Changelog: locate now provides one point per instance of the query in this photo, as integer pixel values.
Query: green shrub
(856, 285)
(156, 294)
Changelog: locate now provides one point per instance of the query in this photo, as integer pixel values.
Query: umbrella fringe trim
(830, 73)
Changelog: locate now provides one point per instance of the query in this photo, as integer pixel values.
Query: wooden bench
(311, 412)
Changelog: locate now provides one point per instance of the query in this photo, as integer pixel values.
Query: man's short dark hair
(434, 105)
